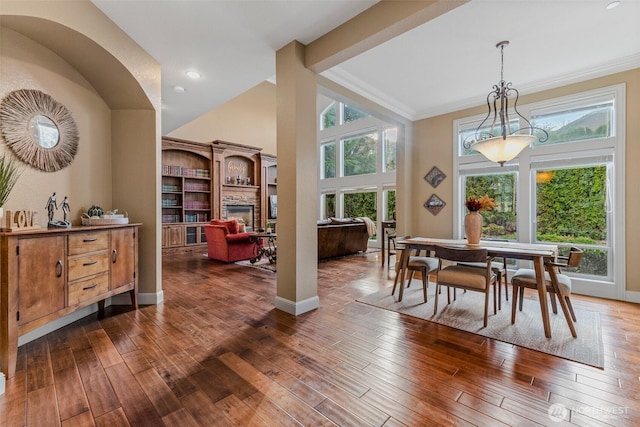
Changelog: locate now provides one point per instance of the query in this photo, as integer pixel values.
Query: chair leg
(514, 303)
(486, 306)
(499, 280)
(521, 296)
(494, 299)
(425, 283)
(554, 306)
(435, 302)
(410, 278)
(570, 307)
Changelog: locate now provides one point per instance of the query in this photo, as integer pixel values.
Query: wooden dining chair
(500, 270)
(557, 284)
(465, 277)
(417, 262)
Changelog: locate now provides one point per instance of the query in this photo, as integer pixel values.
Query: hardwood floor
(216, 352)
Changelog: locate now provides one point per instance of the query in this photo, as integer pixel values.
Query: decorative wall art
(38, 129)
(434, 204)
(434, 177)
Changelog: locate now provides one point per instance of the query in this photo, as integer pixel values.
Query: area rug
(264, 264)
(466, 313)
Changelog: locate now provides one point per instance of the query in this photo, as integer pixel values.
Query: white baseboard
(58, 323)
(121, 299)
(143, 299)
(632, 296)
(151, 299)
(2, 381)
(296, 308)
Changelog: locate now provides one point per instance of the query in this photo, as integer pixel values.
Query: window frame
(614, 145)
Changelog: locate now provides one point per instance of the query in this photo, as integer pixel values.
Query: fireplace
(241, 213)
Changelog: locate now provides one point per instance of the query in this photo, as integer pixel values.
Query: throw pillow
(232, 225)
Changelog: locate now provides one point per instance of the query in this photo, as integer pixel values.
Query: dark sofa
(340, 237)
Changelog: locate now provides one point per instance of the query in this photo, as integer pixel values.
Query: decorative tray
(105, 219)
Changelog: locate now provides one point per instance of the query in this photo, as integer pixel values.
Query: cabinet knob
(59, 268)
(114, 256)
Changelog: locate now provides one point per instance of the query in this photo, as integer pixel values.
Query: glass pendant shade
(501, 149)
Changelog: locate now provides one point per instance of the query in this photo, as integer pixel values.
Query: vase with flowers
(473, 219)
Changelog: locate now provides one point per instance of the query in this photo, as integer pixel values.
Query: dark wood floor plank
(104, 348)
(134, 401)
(72, 399)
(181, 418)
(158, 392)
(115, 418)
(84, 419)
(280, 395)
(204, 411)
(42, 409)
(97, 387)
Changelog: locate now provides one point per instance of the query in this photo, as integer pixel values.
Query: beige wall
(433, 146)
(26, 64)
(73, 52)
(248, 119)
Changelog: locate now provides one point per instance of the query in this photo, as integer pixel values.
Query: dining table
(535, 252)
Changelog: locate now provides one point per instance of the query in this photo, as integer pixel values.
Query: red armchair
(226, 243)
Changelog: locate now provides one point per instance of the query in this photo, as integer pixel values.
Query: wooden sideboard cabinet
(47, 274)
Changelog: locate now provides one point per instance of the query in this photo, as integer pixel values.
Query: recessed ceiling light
(178, 89)
(613, 5)
(193, 75)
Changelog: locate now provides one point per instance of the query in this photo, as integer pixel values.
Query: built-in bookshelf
(186, 192)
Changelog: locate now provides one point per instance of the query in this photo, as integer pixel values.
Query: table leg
(383, 238)
(538, 263)
(404, 263)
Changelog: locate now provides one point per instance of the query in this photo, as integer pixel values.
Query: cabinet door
(41, 277)
(123, 253)
(172, 235)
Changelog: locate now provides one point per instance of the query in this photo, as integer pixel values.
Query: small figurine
(65, 208)
(51, 206)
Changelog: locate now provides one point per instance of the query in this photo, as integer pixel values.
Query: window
(351, 114)
(328, 205)
(359, 204)
(571, 208)
(328, 159)
(359, 154)
(390, 204)
(390, 136)
(566, 191)
(357, 164)
(499, 223)
(328, 117)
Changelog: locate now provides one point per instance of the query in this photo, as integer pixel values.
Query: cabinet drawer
(88, 266)
(86, 289)
(82, 243)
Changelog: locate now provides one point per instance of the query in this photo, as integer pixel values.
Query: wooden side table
(386, 225)
(265, 246)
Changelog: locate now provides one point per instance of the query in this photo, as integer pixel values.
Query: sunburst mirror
(38, 129)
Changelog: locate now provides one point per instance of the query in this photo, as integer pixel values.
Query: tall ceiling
(445, 65)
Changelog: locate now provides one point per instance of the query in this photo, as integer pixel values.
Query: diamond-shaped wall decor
(434, 204)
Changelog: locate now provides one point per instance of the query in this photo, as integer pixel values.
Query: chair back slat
(575, 256)
(461, 254)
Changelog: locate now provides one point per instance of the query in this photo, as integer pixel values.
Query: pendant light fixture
(497, 142)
